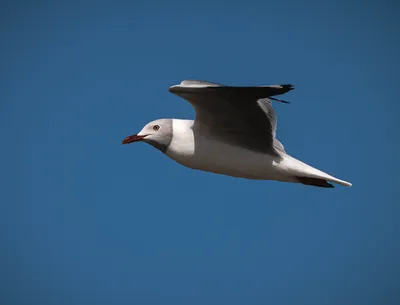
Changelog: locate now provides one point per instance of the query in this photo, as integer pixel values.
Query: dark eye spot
(156, 127)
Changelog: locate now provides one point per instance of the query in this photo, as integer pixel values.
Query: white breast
(207, 154)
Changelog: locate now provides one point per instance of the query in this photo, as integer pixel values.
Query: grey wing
(266, 106)
(241, 116)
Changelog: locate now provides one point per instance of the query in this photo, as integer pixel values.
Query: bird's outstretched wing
(239, 115)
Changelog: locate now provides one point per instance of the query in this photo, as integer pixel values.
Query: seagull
(233, 133)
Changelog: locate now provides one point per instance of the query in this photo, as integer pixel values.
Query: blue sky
(86, 220)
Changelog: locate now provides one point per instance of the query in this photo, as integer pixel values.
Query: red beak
(133, 138)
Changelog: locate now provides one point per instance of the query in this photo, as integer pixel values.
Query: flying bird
(233, 133)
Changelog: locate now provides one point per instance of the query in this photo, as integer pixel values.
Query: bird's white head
(157, 133)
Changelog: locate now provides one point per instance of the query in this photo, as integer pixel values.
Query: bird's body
(234, 133)
(218, 157)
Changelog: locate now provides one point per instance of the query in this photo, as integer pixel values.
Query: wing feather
(241, 116)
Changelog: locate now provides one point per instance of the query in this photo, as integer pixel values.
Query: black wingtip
(279, 100)
(314, 182)
(288, 87)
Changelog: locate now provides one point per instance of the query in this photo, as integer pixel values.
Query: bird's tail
(308, 175)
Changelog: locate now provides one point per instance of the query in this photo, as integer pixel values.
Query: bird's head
(157, 133)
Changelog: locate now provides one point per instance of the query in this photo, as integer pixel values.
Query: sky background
(85, 220)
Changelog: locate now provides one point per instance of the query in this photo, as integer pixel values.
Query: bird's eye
(156, 127)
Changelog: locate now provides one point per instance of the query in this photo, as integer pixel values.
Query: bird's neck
(182, 143)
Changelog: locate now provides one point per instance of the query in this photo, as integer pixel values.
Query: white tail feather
(298, 168)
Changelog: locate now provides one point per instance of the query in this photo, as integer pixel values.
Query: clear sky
(85, 220)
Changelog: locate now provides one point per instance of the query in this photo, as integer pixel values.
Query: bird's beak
(132, 138)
